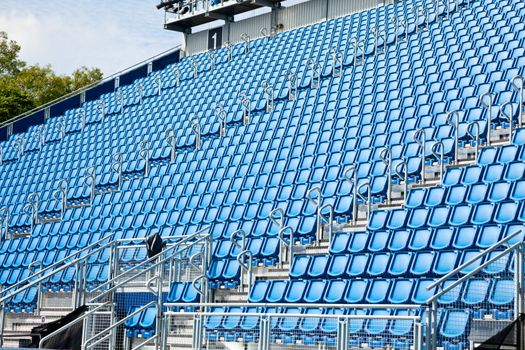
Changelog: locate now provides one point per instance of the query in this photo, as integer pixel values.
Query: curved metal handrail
(89, 180)
(386, 158)
(520, 87)
(420, 137)
(486, 100)
(455, 124)
(350, 176)
(438, 150)
(507, 112)
(245, 38)
(475, 136)
(171, 140)
(145, 154)
(315, 71)
(337, 62)
(196, 128)
(246, 267)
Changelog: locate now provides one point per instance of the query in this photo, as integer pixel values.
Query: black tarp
(508, 338)
(70, 338)
(154, 245)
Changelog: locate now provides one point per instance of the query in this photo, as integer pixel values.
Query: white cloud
(93, 33)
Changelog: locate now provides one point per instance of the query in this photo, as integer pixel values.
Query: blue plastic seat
(502, 293)
(335, 292)
(358, 242)
(315, 291)
(300, 266)
(455, 324)
(258, 291)
(475, 291)
(276, 291)
(378, 291)
(295, 291)
(318, 266)
(338, 266)
(356, 291)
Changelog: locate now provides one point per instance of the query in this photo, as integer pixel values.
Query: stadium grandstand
(329, 174)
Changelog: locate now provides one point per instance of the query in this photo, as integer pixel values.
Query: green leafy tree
(24, 87)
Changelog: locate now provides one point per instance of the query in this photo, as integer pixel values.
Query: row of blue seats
(142, 324)
(497, 293)
(439, 238)
(417, 264)
(509, 212)
(470, 194)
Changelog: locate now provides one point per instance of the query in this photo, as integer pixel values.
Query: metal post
(518, 83)
(220, 113)
(455, 125)
(486, 101)
(337, 63)
(434, 324)
(401, 170)
(438, 150)
(351, 177)
(367, 199)
(475, 136)
(315, 71)
(420, 137)
(509, 116)
(145, 153)
(386, 158)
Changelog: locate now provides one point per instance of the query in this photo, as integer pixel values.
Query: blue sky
(109, 34)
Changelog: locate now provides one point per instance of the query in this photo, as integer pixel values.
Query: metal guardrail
(86, 88)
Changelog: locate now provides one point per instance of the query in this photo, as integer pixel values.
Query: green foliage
(24, 87)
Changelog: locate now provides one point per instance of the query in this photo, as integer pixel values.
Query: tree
(10, 64)
(24, 87)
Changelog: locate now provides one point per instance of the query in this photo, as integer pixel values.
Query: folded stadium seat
(453, 176)
(401, 291)
(477, 193)
(339, 242)
(338, 265)
(329, 328)
(487, 155)
(231, 324)
(435, 196)
(506, 212)
(300, 266)
(270, 251)
(287, 328)
(318, 266)
(460, 215)
(356, 290)
(401, 329)
(422, 263)
(399, 264)
(213, 324)
(465, 237)
(376, 329)
(147, 322)
(249, 325)
(471, 175)
(519, 137)
(452, 296)
(358, 242)
(502, 293)
(456, 195)
(378, 264)
(215, 273)
(454, 328)
(310, 327)
(493, 173)
(508, 154)
(335, 292)
(418, 217)
(482, 214)
(276, 291)
(378, 291)
(355, 328)
(397, 219)
(176, 292)
(488, 236)
(518, 190)
(475, 291)
(415, 197)
(131, 324)
(231, 274)
(315, 291)
(190, 295)
(378, 241)
(295, 291)
(378, 219)
(499, 191)
(445, 262)
(439, 216)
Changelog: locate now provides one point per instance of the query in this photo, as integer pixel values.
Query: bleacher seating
(234, 182)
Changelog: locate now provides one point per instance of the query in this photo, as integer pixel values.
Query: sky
(109, 34)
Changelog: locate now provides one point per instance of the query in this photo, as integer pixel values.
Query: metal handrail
(325, 316)
(476, 270)
(114, 287)
(66, 326)
(116, 324)
(84, 88)
(306, 305)
(474, 259)
(50, 267)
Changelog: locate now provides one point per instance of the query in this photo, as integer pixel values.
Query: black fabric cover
(70, 338)
(509, 336)
(154, 245)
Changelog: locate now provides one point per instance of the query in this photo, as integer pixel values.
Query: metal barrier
(297, 326)
(465, 298)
